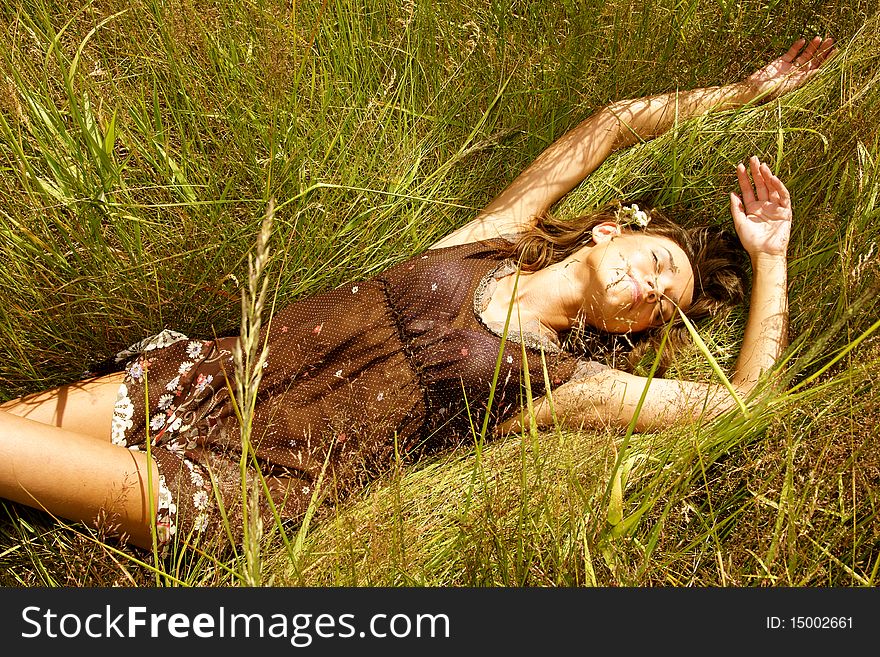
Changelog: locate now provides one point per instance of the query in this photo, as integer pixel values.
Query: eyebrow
(672, 266)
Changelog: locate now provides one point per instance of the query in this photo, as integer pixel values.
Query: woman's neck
(549, 299)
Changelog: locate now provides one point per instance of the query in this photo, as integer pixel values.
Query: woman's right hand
(762, 216)
(790, 71)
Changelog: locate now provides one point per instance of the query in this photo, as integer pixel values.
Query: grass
(141, 143)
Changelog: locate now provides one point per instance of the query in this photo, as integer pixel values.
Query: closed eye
(659, 315)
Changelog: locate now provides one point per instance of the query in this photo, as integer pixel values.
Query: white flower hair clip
(629, 215)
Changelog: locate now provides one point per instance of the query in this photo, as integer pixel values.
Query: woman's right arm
(572, 157)
(580, 151)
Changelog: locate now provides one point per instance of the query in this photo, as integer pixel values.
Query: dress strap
(482, 296)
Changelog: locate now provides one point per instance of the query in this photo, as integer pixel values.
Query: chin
(618, 330)
(609, 327)
(622, 328)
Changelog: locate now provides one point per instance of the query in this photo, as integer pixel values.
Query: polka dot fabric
(354, 376)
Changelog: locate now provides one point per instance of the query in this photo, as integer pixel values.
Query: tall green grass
(141, 143)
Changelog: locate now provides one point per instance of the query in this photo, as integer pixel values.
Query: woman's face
(635, 280)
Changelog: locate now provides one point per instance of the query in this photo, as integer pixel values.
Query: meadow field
(142, 143)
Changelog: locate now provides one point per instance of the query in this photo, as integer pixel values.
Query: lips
(636, 291)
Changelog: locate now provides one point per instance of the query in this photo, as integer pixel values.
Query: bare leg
(74, 476)
(85, 407)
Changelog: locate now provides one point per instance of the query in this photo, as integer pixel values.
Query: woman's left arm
(572, 157)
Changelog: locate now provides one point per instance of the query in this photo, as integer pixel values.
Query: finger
(768, 177)
(809, 51)
(736, 209)
(758, 176)
(792, 52)
(745, 185)
(776, 188)
(827, 45)
(782, 190)
(831, 54)
(825, 52)
(822, 53)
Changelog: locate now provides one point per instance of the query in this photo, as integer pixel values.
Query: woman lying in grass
(416, 357)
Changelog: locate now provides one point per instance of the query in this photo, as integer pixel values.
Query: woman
(414, 358)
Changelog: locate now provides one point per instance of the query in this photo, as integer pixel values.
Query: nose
(653, 291)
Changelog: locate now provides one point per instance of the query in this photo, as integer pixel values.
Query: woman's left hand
(762, 216)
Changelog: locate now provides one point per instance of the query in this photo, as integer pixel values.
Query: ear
(605, 231)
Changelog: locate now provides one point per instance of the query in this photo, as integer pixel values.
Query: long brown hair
(715, 255)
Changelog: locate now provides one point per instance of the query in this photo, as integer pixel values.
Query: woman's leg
(71, 474)
(85, 407)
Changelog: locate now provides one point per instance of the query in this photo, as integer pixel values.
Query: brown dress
(354, 376)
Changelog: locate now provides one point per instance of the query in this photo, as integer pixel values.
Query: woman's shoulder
(460, 261)
(459, 239)
(494, 248)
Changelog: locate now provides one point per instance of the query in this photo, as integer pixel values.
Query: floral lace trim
(121, 423)
(158, 341)
(482, 297)
(586, 369)
(166, 513)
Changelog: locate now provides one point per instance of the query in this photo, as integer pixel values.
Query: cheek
(607, 263)
(686, 295)
(611, 302)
